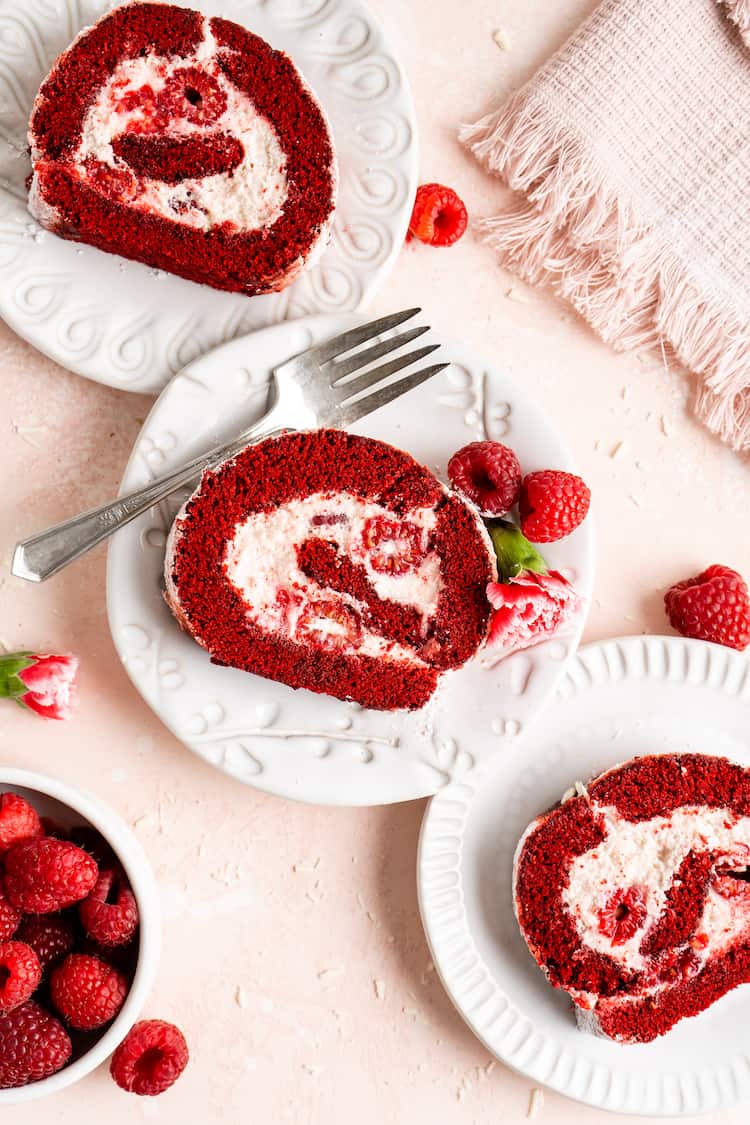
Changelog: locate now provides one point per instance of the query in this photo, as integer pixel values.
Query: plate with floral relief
(120, 322)
(296, 743)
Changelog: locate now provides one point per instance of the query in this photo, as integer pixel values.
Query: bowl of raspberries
(79, 944)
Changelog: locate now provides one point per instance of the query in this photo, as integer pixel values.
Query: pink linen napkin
(631, 148)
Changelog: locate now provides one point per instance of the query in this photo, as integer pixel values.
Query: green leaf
(513, 550)
(11, 663)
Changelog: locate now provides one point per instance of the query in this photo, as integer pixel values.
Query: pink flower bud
(530, 608)
(43, 683)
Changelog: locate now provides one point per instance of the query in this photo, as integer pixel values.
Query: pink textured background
(260, 895)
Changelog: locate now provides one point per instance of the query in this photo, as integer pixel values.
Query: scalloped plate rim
(579, 679)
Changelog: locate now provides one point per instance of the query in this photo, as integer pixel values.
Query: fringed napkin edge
(573, 233)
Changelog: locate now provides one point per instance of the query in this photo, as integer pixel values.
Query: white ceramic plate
(132, 327)
(296, 743)
(617, 699)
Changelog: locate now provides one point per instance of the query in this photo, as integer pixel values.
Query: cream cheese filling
(261, 561)
(251, 196)
(647, 855)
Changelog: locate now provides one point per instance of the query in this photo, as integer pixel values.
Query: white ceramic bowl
(72, 807)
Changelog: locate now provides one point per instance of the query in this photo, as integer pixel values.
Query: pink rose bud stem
(41, 682)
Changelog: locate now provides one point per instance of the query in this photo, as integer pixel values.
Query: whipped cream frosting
(261, 560)
(647, 854)
(251, 196)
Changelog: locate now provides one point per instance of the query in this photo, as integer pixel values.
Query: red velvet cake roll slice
(334, 563)
(634, 895)
(187, 143)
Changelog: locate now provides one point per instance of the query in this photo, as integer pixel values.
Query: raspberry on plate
(18, 821)
(713, 606)
(33, 1045)
(552, 505)
(45, 875)
(110, 913)
(488, 473)
(86, 991)
(9, 918)
(151, 1057)
(439, 216)
(51, 936)
(20, 973)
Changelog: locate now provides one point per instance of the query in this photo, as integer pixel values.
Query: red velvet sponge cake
(633, 894)
(334, 563)
(187, 143)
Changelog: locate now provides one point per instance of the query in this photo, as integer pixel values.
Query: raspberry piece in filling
(115, 183)
(623, 915)
(393, 546)
(193, 94)
(329, 624)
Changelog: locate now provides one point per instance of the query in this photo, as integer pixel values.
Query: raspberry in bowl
(80, 934)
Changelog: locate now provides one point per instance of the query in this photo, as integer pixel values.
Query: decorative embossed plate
(132, 327)
(617, 699)
(296, 743)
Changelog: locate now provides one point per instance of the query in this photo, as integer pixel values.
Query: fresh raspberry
(18, 821)
(45, 875)
(393, 546)
(110, 913)
(151, 1057)
(51, 936)
(194, 94)
(329, 624)
(489, 474)
(9, 918)
(623, 914)
(439, 216)
(20, 973)
(33, 1045)
(86, 991)
(552, 504)
(713, 606)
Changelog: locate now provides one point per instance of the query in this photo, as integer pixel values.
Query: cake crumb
(329, 977)
(306, 865)
(240, 997)
(664, 426)
(536, 1103)
(518, 295)
(502, 39)
(379, 988)
(616, 450)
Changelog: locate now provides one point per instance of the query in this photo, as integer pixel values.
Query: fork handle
(50, 551)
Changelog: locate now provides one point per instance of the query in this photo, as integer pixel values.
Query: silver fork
(315, 388)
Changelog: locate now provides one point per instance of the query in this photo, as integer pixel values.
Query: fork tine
(343, 367)
(346, 391)
(355, 336)
(350, 412)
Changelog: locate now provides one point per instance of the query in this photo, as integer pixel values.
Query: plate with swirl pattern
(296, 743)
(120, 322)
